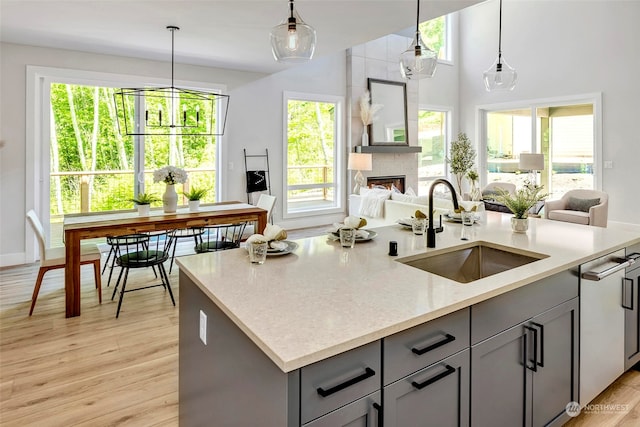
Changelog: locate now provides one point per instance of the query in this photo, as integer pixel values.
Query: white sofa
(396, 209)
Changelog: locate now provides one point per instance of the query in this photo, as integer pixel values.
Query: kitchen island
(323, 302)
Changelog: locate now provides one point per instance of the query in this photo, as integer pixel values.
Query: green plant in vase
(143, 202)
(474, 192)
(145, 199)
(520, 203)
(195, 195)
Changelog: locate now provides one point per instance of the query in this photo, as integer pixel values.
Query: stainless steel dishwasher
(601, 323)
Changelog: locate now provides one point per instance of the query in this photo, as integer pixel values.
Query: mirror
(389, 127)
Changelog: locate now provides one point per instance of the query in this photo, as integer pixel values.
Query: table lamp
(532, 162)
(359, 162)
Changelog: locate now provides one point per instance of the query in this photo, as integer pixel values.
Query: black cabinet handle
(446, 340)
(538, 325)
(448, 371)
(378, 408)
(368, 372)
(624, 293)
(534, 368)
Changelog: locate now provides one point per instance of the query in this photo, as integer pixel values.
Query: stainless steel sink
(472, 261)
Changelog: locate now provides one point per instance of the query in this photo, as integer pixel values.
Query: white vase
(365, 137)
(143, 210)
(170, 199)
(519, 225)
(194, 205)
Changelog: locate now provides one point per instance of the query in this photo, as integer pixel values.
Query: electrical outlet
(203, 327)
(608, 164)
(231, 166)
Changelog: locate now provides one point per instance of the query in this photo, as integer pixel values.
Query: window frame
(339, 174)
(590, 98)
(448, 112)
(38, 115)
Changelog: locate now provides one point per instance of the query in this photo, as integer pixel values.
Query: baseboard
(8, 260)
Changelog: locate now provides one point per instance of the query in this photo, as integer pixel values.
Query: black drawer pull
(449, 370)
(368, 372)
(446, 340)
(378, 408)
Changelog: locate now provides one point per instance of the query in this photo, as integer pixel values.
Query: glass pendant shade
(418, 62)
(293, 40)
(500, 76)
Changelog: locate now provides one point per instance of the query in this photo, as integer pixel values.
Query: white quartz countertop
(323, 300)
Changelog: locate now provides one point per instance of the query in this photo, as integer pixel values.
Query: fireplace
(386, 182)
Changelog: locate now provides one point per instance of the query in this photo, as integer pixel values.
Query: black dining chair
(220, 237)
(183, 233)
(113, 243)
(141, 251)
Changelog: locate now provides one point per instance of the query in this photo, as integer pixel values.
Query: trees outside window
(313, 154)
(433, 137)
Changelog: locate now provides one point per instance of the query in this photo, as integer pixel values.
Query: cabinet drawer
(504, 311)
(435, 396)
(341, 379)
(411, 350)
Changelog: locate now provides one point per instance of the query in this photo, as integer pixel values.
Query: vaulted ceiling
(217, 33)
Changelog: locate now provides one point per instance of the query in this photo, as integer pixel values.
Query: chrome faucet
(431, 232)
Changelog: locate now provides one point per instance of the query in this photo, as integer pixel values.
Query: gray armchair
(588, 207)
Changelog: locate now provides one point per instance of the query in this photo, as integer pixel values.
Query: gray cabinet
(434, 396)
(339, 380)
(364, 412)
(527, 374)
(631, 304)
(426, 373)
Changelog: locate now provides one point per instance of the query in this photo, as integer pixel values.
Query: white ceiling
(218, 33)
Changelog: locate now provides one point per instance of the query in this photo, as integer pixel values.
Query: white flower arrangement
(170, 175)
(367, 110)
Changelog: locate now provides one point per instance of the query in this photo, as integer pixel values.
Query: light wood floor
(96, 370)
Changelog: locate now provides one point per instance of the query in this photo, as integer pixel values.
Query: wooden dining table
(94, 225)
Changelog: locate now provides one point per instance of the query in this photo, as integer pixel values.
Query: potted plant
(520, 203)
(194, 195)
(474, 193)
(143, 202)
(462, 158)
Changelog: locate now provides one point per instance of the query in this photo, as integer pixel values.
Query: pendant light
(293, 40)
(418, 62)
(500, 76)
(193, 112)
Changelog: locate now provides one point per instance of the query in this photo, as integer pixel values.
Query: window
(313, 159)
(566, 132)
(433, 137)
(437, 35)
(85, 164)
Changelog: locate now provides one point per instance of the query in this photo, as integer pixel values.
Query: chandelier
(166, 110)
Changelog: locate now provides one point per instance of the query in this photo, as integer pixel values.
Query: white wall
(564, 48)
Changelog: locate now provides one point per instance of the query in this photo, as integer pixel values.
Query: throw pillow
(583, 205)
(410, 192)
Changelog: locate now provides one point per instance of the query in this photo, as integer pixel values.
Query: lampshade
(531, 161)
(360, 162)
(500, 76)
(293, 40)
(418, 62)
